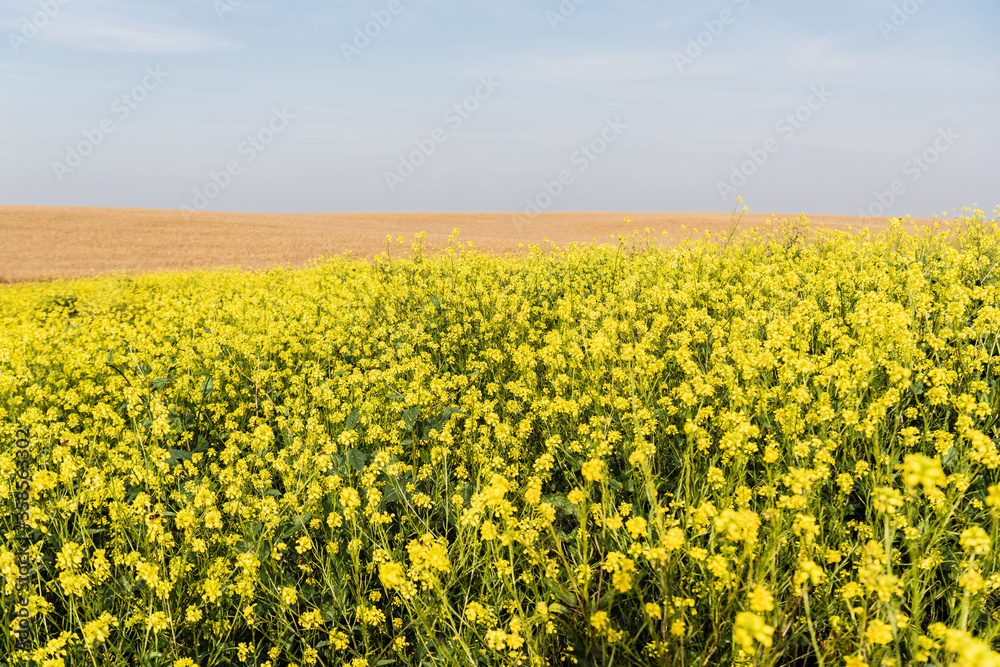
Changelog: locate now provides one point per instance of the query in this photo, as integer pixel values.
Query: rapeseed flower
(392, 575)
(878, 632)
(761, 599)
(593, 470)
(369, 440)
(975, 540)
(750, 629)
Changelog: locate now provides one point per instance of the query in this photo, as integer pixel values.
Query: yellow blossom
(391, 574)
(748, 629)
(975, 540)
(636, 527)
(878, 632)
(593, 470)
(761, 599)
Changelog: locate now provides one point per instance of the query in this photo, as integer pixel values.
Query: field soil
(52, 242)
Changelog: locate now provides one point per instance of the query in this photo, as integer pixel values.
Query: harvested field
(46, 242)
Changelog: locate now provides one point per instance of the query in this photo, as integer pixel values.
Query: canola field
(777, 448)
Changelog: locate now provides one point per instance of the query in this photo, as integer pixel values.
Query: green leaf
(176, 456)
(564, 596)
(438, 421)
(160, 383)
(466, 493)
(297, 523)
(357, 459)
(352, 420)
(410, 416)
(560, 502)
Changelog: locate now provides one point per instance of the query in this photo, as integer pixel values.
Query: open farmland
(44, 242)
(778, 448)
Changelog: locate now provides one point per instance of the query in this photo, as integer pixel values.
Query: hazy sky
(500, 105)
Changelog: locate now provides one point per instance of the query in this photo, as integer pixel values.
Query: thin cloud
(589, 68)
(127, 36)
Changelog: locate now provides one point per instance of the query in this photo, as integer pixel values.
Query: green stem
(812, 631)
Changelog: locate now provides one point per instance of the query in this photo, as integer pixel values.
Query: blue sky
(827, 108)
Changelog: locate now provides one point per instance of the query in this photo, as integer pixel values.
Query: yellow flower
(975, 540)
(845, 481)
(70, 556)
(496, 639)
(370, 616)
(886, 499)
(547, 512)
(477, 613)
(303, 544)
(674, 539)
(488, 531)
(622, 568)
(636, 527)
(805, 526)
(809, 571)
(919, 469)
(748, 628)
(593, 470)
(213, 519)
(212, 589)
(879, 632)
(98, 630)
(698, 553)
(677, 628)
(715, 477)
(349, 498)
(428, 555)
(157, 621)
(761, 599)
(193, 614)
(653, 611)
(738, 525)
(972, 581)
(576, 496)
(392, 574)
(993, 496)
(851, 589)
(718, 566)
(311, 620)
(600, 621)
(533, 495)
(339, 640)
(613, 522)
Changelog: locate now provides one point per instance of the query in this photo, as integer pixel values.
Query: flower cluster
(775, 448)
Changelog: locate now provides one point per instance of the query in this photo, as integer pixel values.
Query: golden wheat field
(764, 442)
(44, 242)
